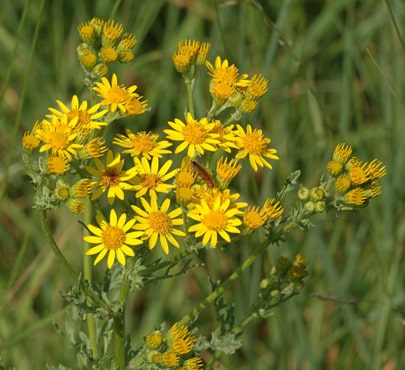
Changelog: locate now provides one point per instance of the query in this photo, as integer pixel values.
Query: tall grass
(336, 74)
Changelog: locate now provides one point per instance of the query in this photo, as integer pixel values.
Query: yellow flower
(111, 177)
(342, 153)
(113, 238)
(355, 197)
(226, 136)
(158, 223)
(225, 73)
(143, 144)
(108, 54)
(128, 41)
(87, 118)
(94, 148)
(253, 144)
(334, 167)
(193, 363)
(220, 218)
(152, 179)
(343, 184)
(87, 32)
(170, 359)
(194, 135)
(376, 169)
(253, 218)
(226, 171)
(135, 105)
(57, 165)
(114, 96)
(154, 340)
(272, 209)
(111, 32)
(59, 137)
(30, 141)
(257, 86)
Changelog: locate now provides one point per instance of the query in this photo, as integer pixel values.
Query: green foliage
(335, 72)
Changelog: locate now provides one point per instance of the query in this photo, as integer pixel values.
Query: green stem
(237, 273)
(221, 289)
(189, 85)
(61, 259)
(119, 322)
(91, 324)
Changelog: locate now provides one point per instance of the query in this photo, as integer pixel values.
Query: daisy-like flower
(158, 223)
(195, 136)
(111, 177)
(225, 73)
(87, 118)
(151, 179)
(111, 32)
(253, 144)
(59, 137)
(226, 136)
(213, 220)
(226, 171)
(135, 105)
(114, 96)
(113, 238)
(257, 86)
(143, 144)
(253, 218)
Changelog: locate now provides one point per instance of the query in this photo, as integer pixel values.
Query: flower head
(220, 218)
(158, 223)
(87, 118)
(114, 96)
(194, 135)
(59, 136)
(111, 177)
(152, 179)
(253, 144)
(143, 144)
(113, 238)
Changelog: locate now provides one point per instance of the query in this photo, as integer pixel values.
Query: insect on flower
(202, 172)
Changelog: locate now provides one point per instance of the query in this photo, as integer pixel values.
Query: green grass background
(336, 73)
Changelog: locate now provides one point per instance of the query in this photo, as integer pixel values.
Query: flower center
(143, 143)
(116, 94)
(215, 220)
(151, 180)
(194, 133)
(113, 237)
(160, 222)
(58, 140)
(111, 177)
(253, 143)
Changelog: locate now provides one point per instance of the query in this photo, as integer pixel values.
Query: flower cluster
(352, 183)
(103, 42)
(142, 172)
(285, 278)
(173, 349)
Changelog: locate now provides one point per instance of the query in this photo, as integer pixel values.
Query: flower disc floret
(113, 239)
(255, 146)
(158, 223)
(195, 136)
(218, 219)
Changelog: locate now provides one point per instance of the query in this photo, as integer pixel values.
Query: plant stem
(61, 258)
(91, 325)
(218, 291)
(189, 85)
(236, 274)
(119, 322)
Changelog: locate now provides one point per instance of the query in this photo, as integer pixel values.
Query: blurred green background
(336, 73)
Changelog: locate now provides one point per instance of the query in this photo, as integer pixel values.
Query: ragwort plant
(140, 191)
